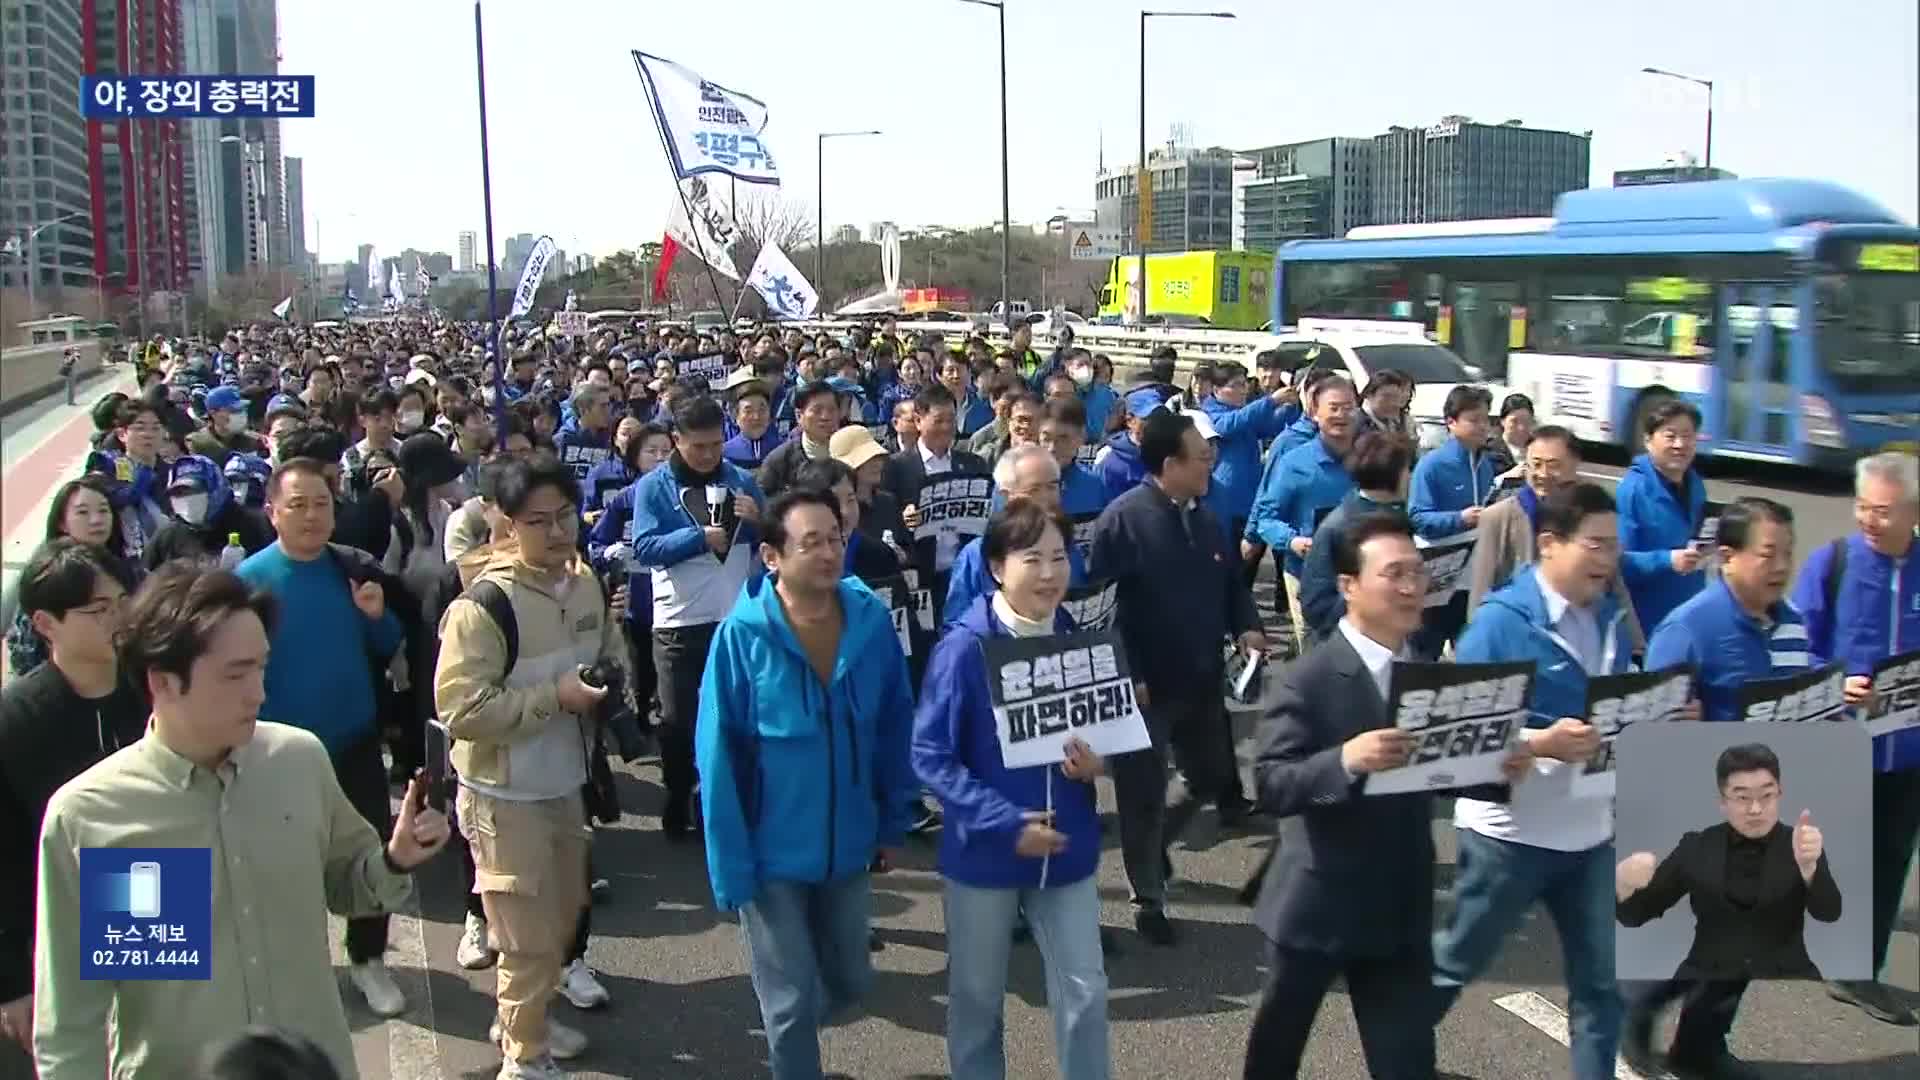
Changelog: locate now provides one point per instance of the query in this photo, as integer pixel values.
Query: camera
(613, 714)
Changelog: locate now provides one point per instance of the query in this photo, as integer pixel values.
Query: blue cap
(280, 401)
(843, 385)
(225, 398)
(1143, 401)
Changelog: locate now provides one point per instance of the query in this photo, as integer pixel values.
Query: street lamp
(1140, 182)
(33, 252)
(1708, 83)
(1006, 212)
(820, 203)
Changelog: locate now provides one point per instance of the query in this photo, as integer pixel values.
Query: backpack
(499, 607)
(1836, 571)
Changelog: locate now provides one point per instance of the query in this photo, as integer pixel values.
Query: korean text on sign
(1896, 694)
(954, 506)
(1446, 561)
(1616, 701)
(1048, 690)
(1817, 695)
(709, 366)
(195, 97)
(1464, 716)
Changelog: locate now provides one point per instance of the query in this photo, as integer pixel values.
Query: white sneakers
(540, 1068)
(563, 1042)
(474, 953)
(376, 985)
(580, 988)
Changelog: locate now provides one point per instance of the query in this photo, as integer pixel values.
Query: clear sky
(393, 157)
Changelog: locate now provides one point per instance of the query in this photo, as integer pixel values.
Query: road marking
(413, 1046)
(1551, 1020)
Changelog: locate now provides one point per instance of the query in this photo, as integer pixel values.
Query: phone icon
(143, 891)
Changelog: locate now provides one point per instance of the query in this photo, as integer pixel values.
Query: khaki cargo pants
(530, 869)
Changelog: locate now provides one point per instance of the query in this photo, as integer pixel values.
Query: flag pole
(666, 150)
(486, 196)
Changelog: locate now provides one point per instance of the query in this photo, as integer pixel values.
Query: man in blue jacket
(1379, 465)
(1860, 596)
(1244, 427)
(806, 713)
(1449, 485)
(699, 551)
(1738, 629)
(1553, 848)
(1119, 466)
(1663, 503)
(1304, 484)
(1023, 472)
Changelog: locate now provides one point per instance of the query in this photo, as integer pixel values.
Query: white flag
(281, 309)
(709, 128)
(780, 284)
(709, 234)
(572, 301)
(421, 278)
(396, 285)
(530, 276)
(376, 273)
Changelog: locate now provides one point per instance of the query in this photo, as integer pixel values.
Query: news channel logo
(146, 913)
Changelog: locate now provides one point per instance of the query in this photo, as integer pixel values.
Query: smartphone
(438, 774)
(143, 890)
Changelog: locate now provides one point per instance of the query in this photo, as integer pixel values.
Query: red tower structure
(136, 170)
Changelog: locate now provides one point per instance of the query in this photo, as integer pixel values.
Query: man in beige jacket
(1505, 543)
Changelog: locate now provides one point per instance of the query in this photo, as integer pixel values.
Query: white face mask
(236, 423)
(191, 509)
(1082, 376)
(411, 420)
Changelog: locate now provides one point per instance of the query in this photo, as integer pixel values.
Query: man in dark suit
(1751, 882)
(1351, 890)
(934, 455)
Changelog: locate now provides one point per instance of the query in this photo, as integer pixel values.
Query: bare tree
(769, 218)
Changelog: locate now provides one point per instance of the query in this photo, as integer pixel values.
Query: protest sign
(921, 599)
(1707, 536)
(1083, 533)
(1465, 717)
(1896, 694)
(1815, 695)
(1047, 690)
(1505, 486)
(1446, 560)
(899, 600)
(1093, 605)
(952, 505)
(709, 366)
(1615, 701)
(1084, 457)
(571, 323)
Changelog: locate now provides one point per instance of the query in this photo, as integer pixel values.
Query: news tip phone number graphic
(191, 97)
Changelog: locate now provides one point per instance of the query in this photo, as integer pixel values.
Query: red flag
(668, 246)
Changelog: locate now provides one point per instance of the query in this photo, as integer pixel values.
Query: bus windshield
(1869, 331)
(1423, 363)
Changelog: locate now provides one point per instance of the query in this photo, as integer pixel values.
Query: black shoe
(874, 944)
(1152, 923)
(1874, 999)
(1235, 812)
(1636, 1049)
(1723, 1067)
(1166, 869)
(1109, 944)
(677, 820)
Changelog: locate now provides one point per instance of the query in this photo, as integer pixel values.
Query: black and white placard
(1896, 694)
(1465, 717)
(1046, 690)
(1707, 536)
(922, 600)
(1614, 702)
(1083, 534)
(1446, 559)
(900, 604)
(709, 366)
(1093, 605)
(1816, 695)
(953, 506)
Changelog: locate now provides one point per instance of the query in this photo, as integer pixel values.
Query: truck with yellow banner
(1227, 290)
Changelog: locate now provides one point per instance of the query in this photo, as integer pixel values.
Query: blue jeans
(1066, 926)
(807, 951)
(1495, 883)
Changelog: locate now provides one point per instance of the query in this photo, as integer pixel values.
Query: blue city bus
(1787, 311)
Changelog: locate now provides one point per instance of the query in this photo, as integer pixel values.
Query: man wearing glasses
(56, 721)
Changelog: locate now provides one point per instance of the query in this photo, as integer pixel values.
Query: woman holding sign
(1017, 838)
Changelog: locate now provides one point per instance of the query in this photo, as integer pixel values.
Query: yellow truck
(1229, 290)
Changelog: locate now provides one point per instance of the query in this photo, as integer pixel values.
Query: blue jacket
(1446, 481)
(956, 754)
(1511, 625)
(1728, 647)
(749, 453)
(663, 533)
(580, 450)
(801, 781)
(1875, 614)
(971, 580)
(975, 413)
(1296, 486)
(1236, 466)
(1122, 470)
(1320, 601)
(1081, 492)
(1652, 524)
(1098, 399)
(1302, 431)
(603, 480)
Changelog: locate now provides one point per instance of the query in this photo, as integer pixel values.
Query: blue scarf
(1530, 504)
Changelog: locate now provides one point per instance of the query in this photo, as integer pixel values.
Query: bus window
(1482, 323)
(1667, 318)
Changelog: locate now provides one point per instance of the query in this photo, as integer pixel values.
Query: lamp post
(1140, 182)
(820, 204)
(33, 253)
(1708, 83)
(1006, 212)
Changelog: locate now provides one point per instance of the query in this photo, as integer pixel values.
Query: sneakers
(474, 954)
(376, 985)
(540, 1068)
(580, 988)
(563, 1042)
(1874, 999)
(1153, 925)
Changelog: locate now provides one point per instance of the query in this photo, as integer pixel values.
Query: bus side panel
(1572, 391)
(1690, 382)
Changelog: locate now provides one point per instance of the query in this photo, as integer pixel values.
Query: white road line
(1552, 1022)
(413, 1040)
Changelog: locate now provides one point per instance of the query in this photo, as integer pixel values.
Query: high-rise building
(240, 210)
(137, 172)
(1457, 170)
(1300, 191)
(845, 234)
(1192, 200)
(297, 212)
(469, 248)
(519, 246)
(43, 147)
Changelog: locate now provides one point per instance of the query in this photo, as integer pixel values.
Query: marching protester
(1450, 487)
(226, 431)
(206, 519)
(262, 798)
(817, 413)
(587, 440)
(824, 738)
(753, 437)
(1509, 448)
(1024, 472)
(934, 455)
(1119, 465)
(1380, 466)
(1301, 485)
(1244, 428)
(83, 510)
(1384, 402)
(1860, 599)
(1181, 597)
(1017, 842)
(1662, 506)
(511, 688)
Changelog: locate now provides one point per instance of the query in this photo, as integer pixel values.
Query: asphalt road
(683, 1007)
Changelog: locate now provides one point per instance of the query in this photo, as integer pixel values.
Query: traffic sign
(1093, 244)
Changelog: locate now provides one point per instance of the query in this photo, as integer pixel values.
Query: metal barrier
(1115, 341)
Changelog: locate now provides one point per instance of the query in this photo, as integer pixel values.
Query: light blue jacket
(1511, 625)
(1728, 647)
(1652, 524)
(1236, 466)
(1447, 480)
(1295, 488)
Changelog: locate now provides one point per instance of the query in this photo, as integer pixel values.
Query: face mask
(191, 509)
(411, 420)
(236, 423)
(395, 382)
(1082, 376)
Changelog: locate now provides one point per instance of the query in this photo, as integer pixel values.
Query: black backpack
(1836, 572)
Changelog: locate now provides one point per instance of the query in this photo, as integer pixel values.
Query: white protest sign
(1446, 560)
(1465, 718)
(1047, 690)
(571, 323)
(1896, 694)
(1816, 695)
(954, 506)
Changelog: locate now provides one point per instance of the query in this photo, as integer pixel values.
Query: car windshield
(1423, 363)
(1869, 331)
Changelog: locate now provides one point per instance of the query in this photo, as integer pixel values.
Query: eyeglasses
(1754, 802)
